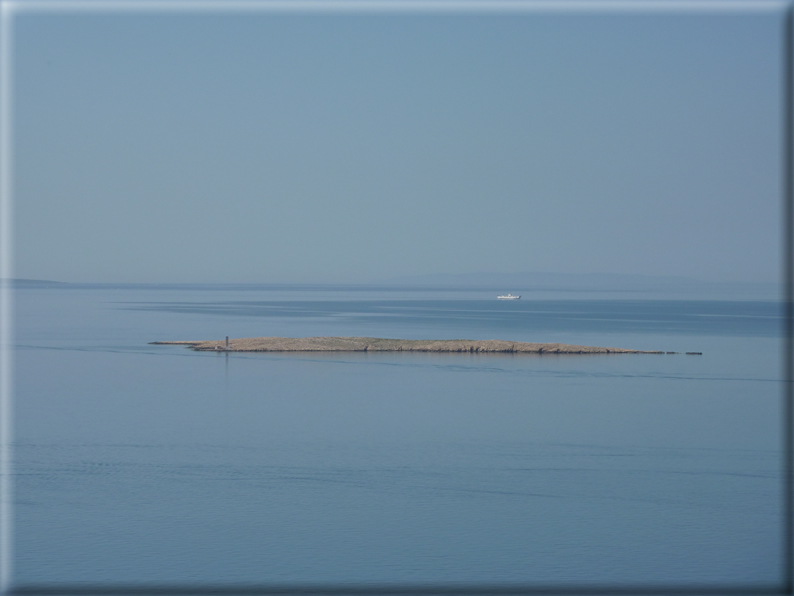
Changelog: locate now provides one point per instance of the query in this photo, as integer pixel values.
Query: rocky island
(374, 344)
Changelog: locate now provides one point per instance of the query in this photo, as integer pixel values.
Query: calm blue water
(139, 463)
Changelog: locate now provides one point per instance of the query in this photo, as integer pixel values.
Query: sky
(353, 147)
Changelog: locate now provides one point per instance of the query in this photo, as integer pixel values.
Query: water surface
(140, 463)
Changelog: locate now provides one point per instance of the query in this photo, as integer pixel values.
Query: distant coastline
(374, 344)
(529, 285)
(30, 283)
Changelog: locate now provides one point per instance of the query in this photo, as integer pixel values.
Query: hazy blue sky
(262, 147)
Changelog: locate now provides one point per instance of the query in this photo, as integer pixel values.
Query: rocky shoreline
(374, 344)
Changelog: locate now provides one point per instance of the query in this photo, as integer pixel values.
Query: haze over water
(139, 463)
(368, 142)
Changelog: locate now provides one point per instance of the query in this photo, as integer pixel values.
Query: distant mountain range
(516, 283)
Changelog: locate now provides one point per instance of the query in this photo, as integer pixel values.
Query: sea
(138, 464)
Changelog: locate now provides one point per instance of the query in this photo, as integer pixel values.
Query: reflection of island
(374, 344)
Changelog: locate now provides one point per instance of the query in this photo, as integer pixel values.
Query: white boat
(508, 297)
